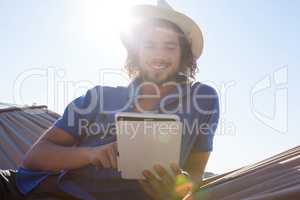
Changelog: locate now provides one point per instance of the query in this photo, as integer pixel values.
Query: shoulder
(109, 98)
(199, 88)
(93, 96)
(204, 97)
(100, 91)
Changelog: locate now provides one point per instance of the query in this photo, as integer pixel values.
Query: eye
(148, 45)
(171, 46)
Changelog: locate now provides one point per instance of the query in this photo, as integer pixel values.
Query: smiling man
(70, 161)
(159, 56)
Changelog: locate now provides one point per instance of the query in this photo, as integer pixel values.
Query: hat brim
(186, 24)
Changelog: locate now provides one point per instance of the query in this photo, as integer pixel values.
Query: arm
(208, 118)
(54, 152)
(196, 164)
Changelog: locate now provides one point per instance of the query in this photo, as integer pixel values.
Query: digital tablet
(144, 140)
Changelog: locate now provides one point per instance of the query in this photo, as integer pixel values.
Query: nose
(159, 60)
(160, 55)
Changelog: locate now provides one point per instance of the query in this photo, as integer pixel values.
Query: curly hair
(188, 64)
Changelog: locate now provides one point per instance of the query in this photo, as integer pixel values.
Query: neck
(152, 89)
(158, 90)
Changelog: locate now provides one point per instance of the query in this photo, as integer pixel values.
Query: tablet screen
(145, 140)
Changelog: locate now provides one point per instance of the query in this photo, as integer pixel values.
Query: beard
(158, 78)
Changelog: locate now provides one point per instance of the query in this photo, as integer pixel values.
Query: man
(75, 159)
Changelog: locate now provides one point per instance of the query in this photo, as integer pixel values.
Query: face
(159, 54)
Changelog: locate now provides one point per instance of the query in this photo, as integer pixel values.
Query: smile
(159, 67)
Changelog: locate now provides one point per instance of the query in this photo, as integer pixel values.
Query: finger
(166, 178)
(112, 157)
(175, 168)
(149, 175)
(115, 147)
(152, 180)
(105, 160)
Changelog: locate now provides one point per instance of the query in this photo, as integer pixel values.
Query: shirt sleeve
(208, 119)
(79, 113)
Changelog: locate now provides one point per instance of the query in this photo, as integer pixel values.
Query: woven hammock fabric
(19, 129)
(277, 177)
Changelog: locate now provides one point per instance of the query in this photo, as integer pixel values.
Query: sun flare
(102, 20)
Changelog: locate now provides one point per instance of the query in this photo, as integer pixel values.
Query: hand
(104, 156)
(168, 186)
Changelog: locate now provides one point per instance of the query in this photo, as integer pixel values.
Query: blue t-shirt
(90, 120)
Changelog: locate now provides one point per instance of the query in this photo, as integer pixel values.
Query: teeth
(159, 66)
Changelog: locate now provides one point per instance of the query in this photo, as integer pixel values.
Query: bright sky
(52, 51)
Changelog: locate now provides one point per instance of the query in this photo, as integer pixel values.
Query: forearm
(195, 166)
(47, 156)
(195, 178)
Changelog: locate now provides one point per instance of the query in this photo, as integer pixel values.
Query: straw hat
(164, 11)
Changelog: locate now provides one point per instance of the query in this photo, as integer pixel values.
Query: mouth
(159, 66)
